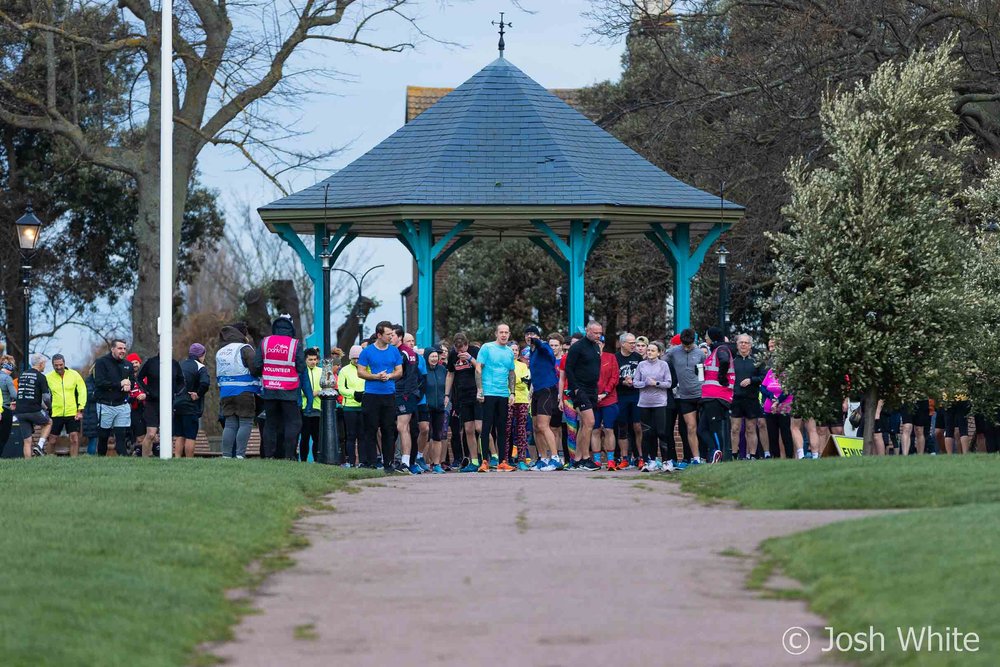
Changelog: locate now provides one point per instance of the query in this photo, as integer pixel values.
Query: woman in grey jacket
(9, 394)
(654, 378)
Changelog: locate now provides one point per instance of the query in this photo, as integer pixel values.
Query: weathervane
(502, 26)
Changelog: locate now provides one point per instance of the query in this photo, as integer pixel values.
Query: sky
(552, 45)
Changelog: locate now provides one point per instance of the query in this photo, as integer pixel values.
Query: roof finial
(502, 26)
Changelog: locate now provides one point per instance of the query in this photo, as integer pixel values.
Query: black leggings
(780, 424)
(6, 424)
(353, 425)
(379, 414)
(122, 435)
(310, 431)
(713, 426)
(657, 432)
(285, 415)
(495, 422)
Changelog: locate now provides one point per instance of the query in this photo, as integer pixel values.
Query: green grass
(936, 565)
(126, 562)
(853, 483)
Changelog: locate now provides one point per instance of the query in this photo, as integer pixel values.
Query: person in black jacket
(583, 369)
(32, 405)
(90, 420)
(113, 378)
(746, 398)
(189, 402)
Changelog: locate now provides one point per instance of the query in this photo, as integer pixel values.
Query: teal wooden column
(418, 237)
(571, 256)
(314, 268)
(676, 248)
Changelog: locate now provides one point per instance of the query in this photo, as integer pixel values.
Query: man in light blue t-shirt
(495, 384)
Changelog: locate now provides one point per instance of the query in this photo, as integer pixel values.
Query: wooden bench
(202, 446)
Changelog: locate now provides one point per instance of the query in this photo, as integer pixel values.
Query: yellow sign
(841, 445)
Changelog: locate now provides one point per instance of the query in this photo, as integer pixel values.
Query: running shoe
(717, 456)
(588, 466)
(423, 465)
(640, 464)
(437, 469)
(668, 466)
(37, 451)
(539, 465)
(521, 465)
(471, 467)
(399, 469)
(767, 455)
(484, 467)
(624, 465)
(696, 461)
(611, 465)
(680, 465)
(652, 466)
(548, 466)
(415, 469)
(505, 467)
(558, 464)
(494, 462)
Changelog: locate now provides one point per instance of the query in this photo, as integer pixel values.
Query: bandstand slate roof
(498, 140)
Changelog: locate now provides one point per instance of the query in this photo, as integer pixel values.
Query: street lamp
(723, 295)
(359, 283)
(28, 229)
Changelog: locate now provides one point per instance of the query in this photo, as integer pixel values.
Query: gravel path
(525, 569)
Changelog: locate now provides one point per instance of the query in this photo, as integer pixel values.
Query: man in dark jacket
(280, 363)
(583, 368)
(189, 403)
(113, 377)
(149, 378)
(31, 408)
(746, 407)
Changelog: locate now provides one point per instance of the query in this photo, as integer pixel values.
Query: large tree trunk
(871, 404)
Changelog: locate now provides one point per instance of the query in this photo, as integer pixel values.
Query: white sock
(406, 460)
(799, 453)
(41, 443)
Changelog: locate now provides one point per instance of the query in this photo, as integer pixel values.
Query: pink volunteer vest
(711, 388)
(279, 363)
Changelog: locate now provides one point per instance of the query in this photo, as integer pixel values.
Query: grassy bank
(928, 567)
(125, 562)
(852, 483)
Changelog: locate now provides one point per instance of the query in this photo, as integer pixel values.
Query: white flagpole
(166, 227)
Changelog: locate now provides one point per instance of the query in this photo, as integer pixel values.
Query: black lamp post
(359, 283)
(28, 229)
(723, 290)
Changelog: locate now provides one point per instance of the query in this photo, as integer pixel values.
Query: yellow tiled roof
(420, 98)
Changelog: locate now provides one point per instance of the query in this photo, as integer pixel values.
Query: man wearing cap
(352, 389)
(113, 381)
(689, 363)
(69, 397)
(137, 399)
(189, 403)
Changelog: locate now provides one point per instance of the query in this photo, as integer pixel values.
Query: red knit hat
(676, 340)
(134, 357)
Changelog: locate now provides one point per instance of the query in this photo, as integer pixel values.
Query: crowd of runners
(537, 403)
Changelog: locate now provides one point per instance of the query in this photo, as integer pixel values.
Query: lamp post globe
(28, 228)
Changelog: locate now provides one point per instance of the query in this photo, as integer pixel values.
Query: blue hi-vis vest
(234, 376)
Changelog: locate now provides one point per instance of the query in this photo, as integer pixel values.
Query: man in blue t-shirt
(380, 365)
(495, 390)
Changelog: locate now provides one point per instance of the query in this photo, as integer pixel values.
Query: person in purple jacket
(654, 378)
